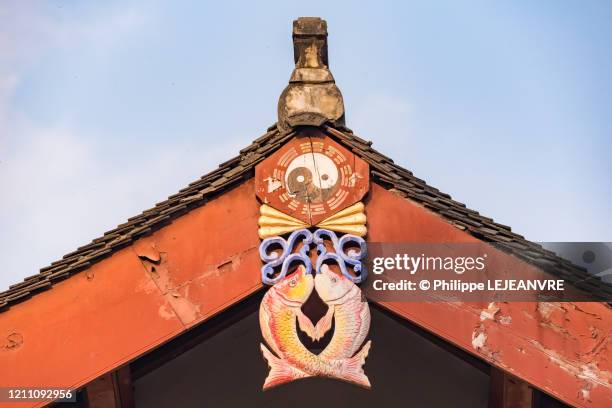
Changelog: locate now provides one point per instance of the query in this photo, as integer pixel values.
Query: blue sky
(109, 107)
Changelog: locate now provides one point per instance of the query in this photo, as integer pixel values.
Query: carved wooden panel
(311, 178)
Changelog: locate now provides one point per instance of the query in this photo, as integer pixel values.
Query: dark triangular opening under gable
(218, 363)
(224, 367)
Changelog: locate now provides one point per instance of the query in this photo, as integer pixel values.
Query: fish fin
(306, 325)
(324, 323)
(353, 369)
(280, 371)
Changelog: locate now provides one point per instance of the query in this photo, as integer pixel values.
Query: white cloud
(30, 29)
(58, 189)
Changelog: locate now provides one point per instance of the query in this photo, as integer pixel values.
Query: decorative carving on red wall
(313, 183)
(311, 178)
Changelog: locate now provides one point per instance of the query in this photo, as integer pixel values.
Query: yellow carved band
(350, 220)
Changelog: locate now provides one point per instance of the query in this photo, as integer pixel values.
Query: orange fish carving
(279, 311)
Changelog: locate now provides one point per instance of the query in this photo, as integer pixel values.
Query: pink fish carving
(279, 311)
(351, 316)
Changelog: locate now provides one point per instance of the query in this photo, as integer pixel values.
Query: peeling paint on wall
(13, 341)
(478, 339)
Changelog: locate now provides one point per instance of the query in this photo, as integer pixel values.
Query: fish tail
(306, 325)
(354, 367)
(324, 324)
(280, 371)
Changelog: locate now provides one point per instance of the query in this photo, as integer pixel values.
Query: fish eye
(334, 279)
(324, 177)
(292, 283)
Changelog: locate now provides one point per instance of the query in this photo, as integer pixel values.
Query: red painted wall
(562, 348)
(119, 308)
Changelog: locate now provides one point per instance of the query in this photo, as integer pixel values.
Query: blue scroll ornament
(341, 257)
(351, 257)
(285, 258)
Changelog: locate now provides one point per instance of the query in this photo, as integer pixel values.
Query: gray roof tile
(230, 173)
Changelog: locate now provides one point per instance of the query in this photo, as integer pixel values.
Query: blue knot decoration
(345, 259)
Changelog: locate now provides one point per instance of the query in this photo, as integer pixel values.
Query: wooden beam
(552, 346)
(506, 391)
(112, 390)
(222, 269)
(125, 387)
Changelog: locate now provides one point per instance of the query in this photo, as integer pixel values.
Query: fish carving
(350, 314)
(279, 315)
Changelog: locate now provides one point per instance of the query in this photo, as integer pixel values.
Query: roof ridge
(239, 168)
(395, 177)
(227, 175)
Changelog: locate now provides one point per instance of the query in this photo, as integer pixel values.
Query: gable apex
(235, 171)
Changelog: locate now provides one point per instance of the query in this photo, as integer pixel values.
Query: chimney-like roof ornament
(312, 97)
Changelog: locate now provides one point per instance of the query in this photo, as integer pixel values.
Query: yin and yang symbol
(312, 178)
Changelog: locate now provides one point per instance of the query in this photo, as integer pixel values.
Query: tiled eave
(234, 171)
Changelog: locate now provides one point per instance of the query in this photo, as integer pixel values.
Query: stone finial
(312, 97)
